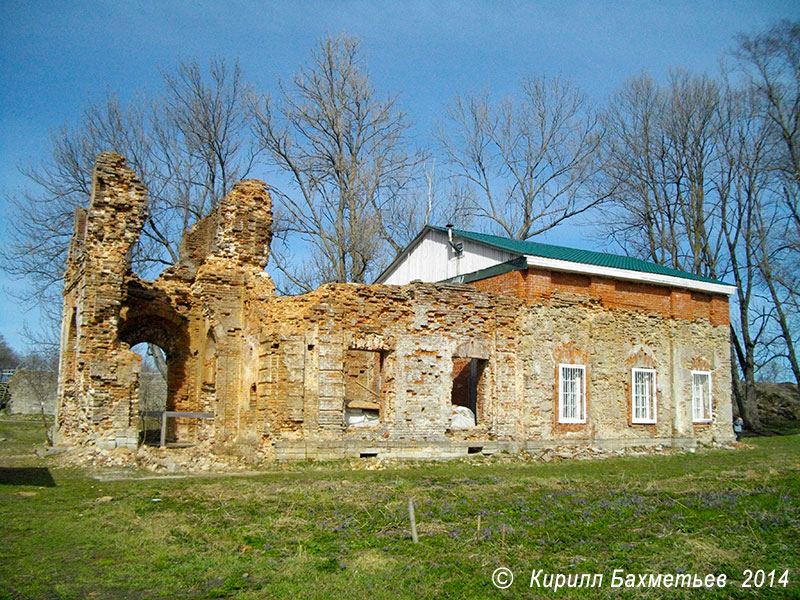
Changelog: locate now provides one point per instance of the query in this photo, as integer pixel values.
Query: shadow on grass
(39, 476)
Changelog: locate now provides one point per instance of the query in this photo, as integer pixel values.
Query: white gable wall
(432, 259)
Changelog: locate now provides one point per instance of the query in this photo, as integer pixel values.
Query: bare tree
(189, 146)
(207, 117)
(659, 150)
(37, 373)
(741, 185)
(686, 167)
(782, 280)
(642, 219)
(524, 165)
(702, 177)
(186, 146)
(41, 218)
(770, 62)
(346, 154)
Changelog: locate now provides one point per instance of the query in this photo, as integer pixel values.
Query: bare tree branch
(525, 164)
(189, 147)
(346, 153)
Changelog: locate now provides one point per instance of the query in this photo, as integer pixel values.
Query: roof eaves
(583, 257)
(516, 264)
(631, 275)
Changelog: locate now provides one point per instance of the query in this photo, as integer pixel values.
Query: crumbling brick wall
(349, 370)
(108, 309)
(319, 340)
(98, 375)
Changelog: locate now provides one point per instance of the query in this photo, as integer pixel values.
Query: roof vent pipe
(458, 249)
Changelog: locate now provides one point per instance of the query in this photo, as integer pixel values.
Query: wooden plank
(193, 415)
(163, 441)
(363, 405)
(175, 413)
(413, 520)
(362, 386)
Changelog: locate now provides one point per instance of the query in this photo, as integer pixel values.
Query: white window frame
(700, 413)
(651, 406)
(581, 401)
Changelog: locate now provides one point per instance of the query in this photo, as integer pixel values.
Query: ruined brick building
(521, 352)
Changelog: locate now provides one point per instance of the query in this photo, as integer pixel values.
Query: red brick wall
(507, 284)
(538, 284)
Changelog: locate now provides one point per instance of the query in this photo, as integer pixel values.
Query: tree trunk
(745, 395)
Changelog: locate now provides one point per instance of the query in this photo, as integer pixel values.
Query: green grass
(329, 532)
(21, 434)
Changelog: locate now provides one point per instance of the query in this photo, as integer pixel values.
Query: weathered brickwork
(361, 370)
(534, 285)
(108, 309)
(610, 343)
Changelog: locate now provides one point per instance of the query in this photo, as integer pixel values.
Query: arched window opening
(210, 361)
(69, 354)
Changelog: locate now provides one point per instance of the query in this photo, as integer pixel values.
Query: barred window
(643, 395)
(701, 396)
(571, 393)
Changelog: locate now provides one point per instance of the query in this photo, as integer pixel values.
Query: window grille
(701, 396)
(644, 395)
(572, 394)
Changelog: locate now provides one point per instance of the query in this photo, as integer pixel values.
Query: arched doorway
(152, 391)
(163, 345)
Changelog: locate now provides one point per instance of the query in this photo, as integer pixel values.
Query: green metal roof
(588, 257)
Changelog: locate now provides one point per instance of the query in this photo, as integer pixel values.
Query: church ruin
(516, 360)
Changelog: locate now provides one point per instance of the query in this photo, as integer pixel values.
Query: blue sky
(56, 57)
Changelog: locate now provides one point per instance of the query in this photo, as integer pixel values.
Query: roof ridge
(576, 255)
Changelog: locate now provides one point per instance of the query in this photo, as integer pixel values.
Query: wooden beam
(359, 384)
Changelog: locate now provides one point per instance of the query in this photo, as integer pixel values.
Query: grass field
(326, 531)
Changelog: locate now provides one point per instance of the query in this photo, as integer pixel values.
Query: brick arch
(153, 329)
(147, 315)
(148, 324)
(641, 357)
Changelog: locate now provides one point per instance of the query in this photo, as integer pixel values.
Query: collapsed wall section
(350, 369)
(97, 376)
(108, 309)
(422, 370)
